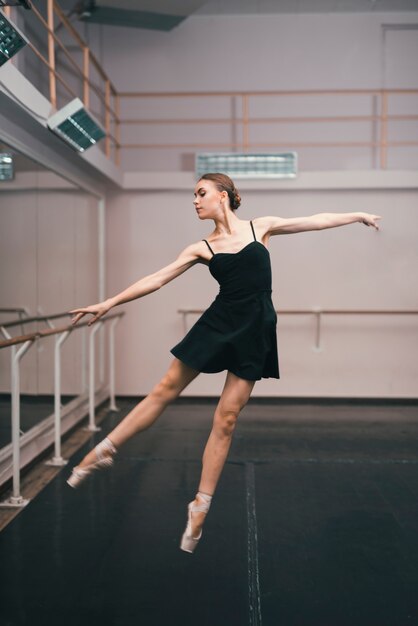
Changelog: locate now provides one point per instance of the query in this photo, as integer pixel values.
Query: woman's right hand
(97, 310)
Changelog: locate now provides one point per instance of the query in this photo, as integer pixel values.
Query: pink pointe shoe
(188, 542)
(79, 474)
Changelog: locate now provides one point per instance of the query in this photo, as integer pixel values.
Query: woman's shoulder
(197, 251)
(261, 220)
(262, 224)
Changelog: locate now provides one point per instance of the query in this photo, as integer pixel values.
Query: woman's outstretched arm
(285, 226)
(186, 259)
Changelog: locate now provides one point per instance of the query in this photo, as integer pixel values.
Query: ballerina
(237, 333)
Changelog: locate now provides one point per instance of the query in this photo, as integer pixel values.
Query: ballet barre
(317, 312)
(40, 437)
(23, 312)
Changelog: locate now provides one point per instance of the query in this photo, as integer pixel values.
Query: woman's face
(207, 199)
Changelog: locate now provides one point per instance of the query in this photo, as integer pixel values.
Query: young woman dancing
(236, 333)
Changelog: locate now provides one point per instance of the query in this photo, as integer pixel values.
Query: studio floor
(314, 523)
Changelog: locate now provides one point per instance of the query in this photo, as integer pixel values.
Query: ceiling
(254, 7)
(165, 15)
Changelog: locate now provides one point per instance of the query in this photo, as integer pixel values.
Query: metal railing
(23, 312)
(379, 102)
(316, 311)
(106, 92)
(379, 121)
(19, 346)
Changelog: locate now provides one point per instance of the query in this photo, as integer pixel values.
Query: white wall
(48, 260)
(268, 51)
(48, 241)
(265, 52)
(352, 267)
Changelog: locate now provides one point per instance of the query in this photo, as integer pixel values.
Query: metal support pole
(101, 236)
(92, 375)
(384, 131)
(112, 405)
(245, 123)
(57, 459)
(51, 55)
(107, 117)
(16, 499)
(86, 76)
(117, 130)
(84, 385)
(317, 346)
(184, 313)
(48, 321)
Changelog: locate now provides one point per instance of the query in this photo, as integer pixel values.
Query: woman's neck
(226, 223)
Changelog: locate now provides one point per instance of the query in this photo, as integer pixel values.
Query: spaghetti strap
(213, 254)
(252, 228)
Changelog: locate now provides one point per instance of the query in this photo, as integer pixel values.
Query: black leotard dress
(238, 331)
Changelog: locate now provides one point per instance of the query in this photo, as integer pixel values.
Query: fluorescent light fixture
(244, 165)
(11, 39)
(16, 3)
(6, 166)
(77, 127)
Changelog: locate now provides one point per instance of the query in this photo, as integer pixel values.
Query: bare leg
(150, 408)
(234, 397)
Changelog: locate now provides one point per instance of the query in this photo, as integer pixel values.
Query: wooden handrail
(270, 120)
(48, 331)
(275, 144)
(45, 318)
(66, 22)
(278, 92)
(111, 114)
(245, 121)
(55, 73)
(326, 311)
(56, 39)
(38, 318)
(317, 312)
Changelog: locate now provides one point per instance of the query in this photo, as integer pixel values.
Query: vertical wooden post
(245, 128)
(86, 76)
(117, 129)
(107, 118)
(384, 131)
(51, 55)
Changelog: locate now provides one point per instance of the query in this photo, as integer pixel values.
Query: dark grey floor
(315, 523)
(33, 409)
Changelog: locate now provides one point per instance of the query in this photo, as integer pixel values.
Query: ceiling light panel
(11, 39)
(6, 166)
(244, 165)
(76, 126)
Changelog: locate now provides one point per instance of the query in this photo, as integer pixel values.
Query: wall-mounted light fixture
(244, 165)
(16, 3)
(11, 39)
(6, 166)
(76, 126)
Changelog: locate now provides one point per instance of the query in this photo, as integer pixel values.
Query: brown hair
(224, 183)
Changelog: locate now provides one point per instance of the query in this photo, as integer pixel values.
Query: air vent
(248, 165)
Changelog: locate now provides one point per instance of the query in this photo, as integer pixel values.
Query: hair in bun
(224, 183)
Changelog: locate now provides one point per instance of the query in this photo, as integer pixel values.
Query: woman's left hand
(370, 220)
